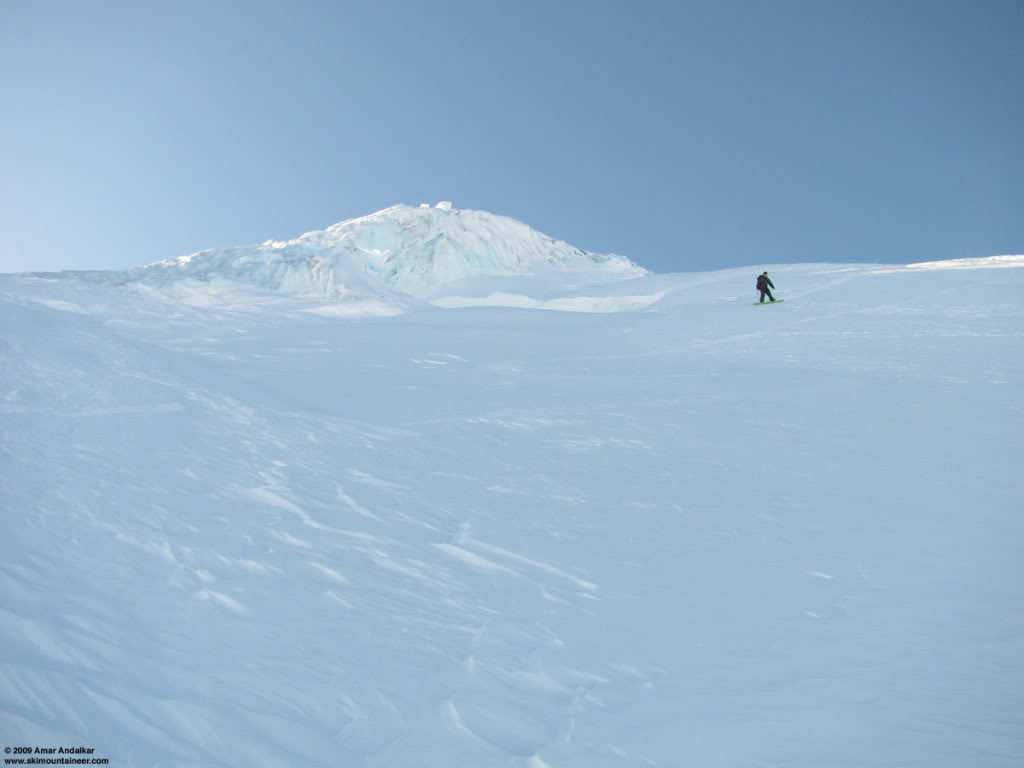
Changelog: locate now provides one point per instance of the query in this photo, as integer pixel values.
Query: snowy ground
(243, 528)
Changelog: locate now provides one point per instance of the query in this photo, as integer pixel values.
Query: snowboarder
(762, 285)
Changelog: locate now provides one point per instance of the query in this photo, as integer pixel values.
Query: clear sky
(684, 135)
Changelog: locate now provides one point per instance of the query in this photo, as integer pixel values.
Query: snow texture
(245, 528)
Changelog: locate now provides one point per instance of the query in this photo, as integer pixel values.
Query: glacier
(511, 507)
(387, 256)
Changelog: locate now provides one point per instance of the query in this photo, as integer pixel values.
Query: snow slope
(384, 258)
(245, 528)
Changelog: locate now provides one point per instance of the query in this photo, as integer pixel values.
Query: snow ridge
(402, 249)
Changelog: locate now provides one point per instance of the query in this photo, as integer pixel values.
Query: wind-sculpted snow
(381, 257)
(244, 528)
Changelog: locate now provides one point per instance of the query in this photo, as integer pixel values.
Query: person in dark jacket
(763, 283)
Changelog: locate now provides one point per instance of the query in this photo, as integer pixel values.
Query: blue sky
(687, 136)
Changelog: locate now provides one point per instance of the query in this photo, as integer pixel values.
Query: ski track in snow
(241, 530)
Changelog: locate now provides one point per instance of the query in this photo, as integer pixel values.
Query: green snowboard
(777, 301)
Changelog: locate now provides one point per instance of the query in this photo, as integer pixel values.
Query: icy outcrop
(399, 250)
